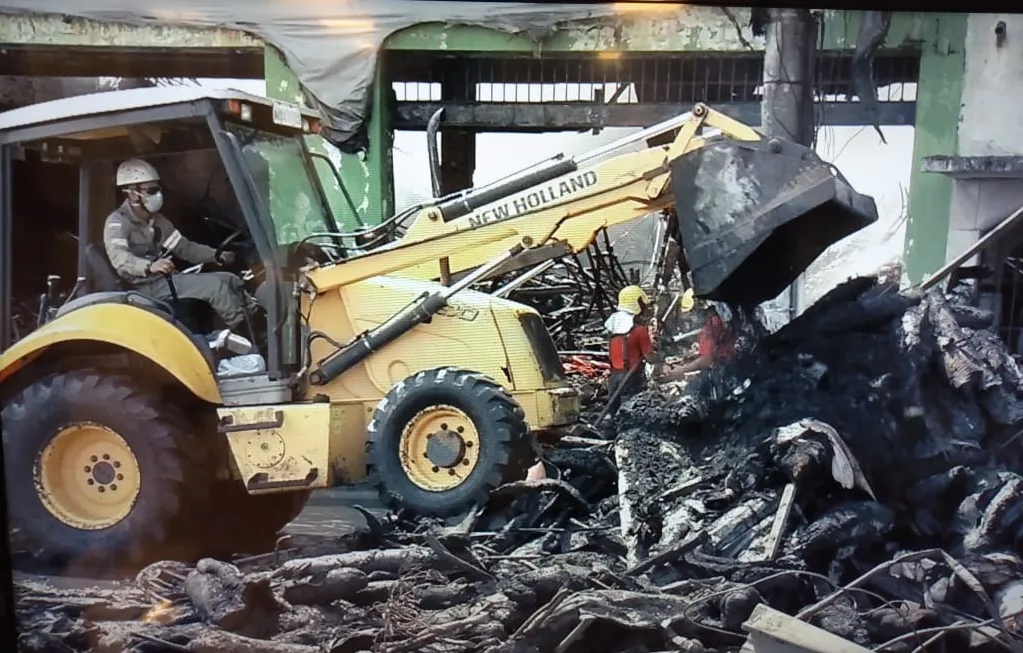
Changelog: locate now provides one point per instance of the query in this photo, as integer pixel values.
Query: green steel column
(367, 178)
(381, 147)
(938, 99)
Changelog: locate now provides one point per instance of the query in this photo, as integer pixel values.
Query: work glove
(226, 258)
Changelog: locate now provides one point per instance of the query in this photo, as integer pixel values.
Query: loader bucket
(754, 215)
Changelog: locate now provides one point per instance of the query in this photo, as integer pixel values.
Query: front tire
(442, 439)
(98, 468)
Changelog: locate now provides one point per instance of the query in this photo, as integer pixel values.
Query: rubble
(858, 470)
(574, 294)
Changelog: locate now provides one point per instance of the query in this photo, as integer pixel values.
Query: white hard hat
(136, 171)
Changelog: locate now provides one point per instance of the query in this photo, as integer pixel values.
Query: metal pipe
(972, 249)
(584, 352)
(84, 200)
(688, 334)
(512, 285)
(432, 126)
(481, 272)
(649, 132)
(6, 271)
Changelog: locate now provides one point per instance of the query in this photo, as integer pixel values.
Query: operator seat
(100, 277)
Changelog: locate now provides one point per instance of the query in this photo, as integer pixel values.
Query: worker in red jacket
(717, 341)
(630, 346)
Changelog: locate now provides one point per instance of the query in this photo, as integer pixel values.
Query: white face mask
(153, 203)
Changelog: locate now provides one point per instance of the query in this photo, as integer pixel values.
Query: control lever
(165, 252)
(166, 247)
(170, 285)
(49, 300)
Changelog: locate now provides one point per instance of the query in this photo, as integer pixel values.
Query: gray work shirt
(130, 246)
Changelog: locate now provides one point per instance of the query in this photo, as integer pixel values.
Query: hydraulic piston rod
(416, 313)
(456, 206)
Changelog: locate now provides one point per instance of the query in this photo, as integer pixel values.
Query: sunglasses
(151, 190)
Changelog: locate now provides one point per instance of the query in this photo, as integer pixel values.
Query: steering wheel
(227, 241)
(216, 254)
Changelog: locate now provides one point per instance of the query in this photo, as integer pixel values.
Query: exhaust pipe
(433, 150)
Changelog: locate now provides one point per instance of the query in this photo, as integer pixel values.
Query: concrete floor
(331, 512)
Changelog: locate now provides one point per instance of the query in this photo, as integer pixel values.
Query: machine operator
(630, 347)
(137, 237)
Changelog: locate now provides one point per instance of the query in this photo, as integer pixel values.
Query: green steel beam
(381, 150)
(696, 28)
(708, 29)
(53, 30)
(938, 99)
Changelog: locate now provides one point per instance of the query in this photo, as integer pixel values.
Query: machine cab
(227, 160)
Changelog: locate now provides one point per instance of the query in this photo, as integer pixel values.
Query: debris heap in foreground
(860, 470)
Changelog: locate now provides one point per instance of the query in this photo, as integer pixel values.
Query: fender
(132, 328)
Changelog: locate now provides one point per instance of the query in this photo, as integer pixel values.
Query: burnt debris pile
(879, 426)
(858, 470)
(574, 293)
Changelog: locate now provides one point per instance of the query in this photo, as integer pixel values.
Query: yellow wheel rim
(88, 477)
(440, 448)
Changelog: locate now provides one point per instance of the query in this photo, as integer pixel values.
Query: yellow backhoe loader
(128, 435)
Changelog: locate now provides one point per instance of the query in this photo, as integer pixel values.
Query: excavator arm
(753, 212)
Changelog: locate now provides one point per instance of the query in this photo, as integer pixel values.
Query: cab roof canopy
(89, 116)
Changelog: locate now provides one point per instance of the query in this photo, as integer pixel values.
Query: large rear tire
(442, 439)
(98, 471)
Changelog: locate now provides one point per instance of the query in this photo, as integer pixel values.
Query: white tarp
(332, 45)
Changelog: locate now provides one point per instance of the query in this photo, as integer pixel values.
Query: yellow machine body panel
(131, 328)
(300, 446)
(475, 331)
(316, 444)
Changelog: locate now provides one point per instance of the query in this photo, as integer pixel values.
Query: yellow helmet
(687, 301)
(629, 298)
